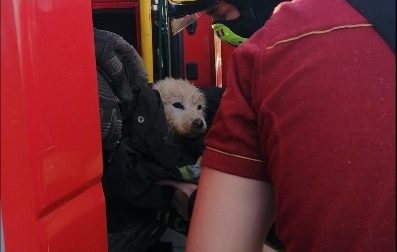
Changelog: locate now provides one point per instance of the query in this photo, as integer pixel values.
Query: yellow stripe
(147, 37)
(316, 33)
(234, 155)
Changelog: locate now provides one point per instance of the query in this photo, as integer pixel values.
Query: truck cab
(51, 156)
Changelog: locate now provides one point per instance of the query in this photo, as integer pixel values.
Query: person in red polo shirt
(304, 136)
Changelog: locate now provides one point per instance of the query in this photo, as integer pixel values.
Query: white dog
(184, 106)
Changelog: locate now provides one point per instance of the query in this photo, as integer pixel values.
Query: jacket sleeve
(128, 181)
(122, 64)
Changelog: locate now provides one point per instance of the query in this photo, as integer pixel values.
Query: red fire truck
(51, 160)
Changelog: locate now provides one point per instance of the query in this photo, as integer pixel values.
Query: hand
(183, 191)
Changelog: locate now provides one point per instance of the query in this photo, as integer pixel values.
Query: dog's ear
(213, 97)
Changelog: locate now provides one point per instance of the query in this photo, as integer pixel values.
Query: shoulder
(301, 18)
(304, 21)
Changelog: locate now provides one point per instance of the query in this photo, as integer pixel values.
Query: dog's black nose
(198, 123)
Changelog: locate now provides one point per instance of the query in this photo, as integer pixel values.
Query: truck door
(51, 160)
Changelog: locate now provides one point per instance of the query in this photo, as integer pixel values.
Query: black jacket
(137, 147)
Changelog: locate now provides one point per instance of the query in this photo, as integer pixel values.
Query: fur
(184, 106)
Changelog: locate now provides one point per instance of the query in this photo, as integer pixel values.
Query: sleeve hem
(234, 164)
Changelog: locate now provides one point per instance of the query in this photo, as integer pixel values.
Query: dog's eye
(178, 105)
(199, 107)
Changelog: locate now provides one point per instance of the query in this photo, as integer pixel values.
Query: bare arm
(231, 214)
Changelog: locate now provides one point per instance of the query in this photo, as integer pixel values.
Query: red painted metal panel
(199, 48)
(113, 4)
(51, 161)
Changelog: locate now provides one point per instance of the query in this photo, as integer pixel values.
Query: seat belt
(382, 15)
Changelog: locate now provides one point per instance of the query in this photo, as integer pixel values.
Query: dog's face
(184, 106)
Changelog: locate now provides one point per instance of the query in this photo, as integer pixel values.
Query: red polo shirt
(310, 107)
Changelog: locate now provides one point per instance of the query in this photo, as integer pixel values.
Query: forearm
(231, 214)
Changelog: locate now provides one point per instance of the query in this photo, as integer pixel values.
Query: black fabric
(122, 65)
(382, 15)
(138, 156)
(161, 247)
(131, 171)
(272, 240)
(213, 97)
(128, 181)
(190, 204)
(137, 238)
(143, 153)
(110, 115)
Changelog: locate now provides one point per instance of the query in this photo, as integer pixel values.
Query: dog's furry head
(184, 106)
